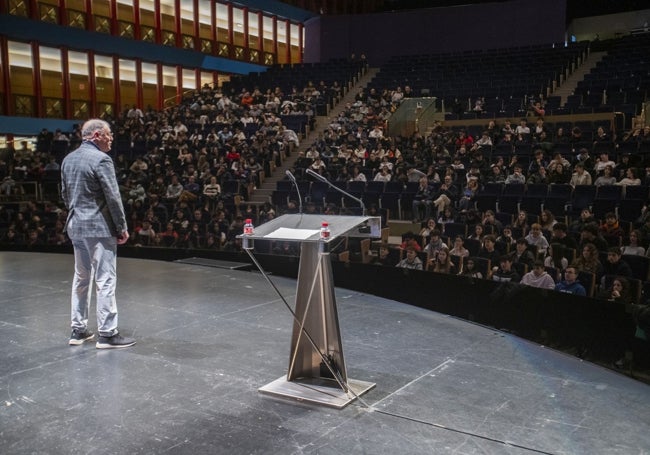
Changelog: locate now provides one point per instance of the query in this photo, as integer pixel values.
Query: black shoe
(79, 336)
(114, 342)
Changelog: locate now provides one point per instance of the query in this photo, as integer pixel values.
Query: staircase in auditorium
(569, 85)
(263, 194)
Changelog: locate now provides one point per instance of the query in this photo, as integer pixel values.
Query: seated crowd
(443, 173)
(186, 172)
(182, 171)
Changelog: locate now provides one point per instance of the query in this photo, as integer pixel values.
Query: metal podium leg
(316, 308)
(308, 379)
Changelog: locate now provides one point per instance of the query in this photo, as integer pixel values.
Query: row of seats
(563, 191)
(624, 68)
(564, 200)
(511, 73)
(619, 83)
(287, 76)
(560, 199)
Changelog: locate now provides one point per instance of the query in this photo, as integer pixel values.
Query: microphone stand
(295, 183)
(340, 190)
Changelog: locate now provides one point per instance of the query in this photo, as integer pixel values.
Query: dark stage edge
(209, 338)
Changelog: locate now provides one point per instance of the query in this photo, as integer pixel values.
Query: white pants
(95, 260)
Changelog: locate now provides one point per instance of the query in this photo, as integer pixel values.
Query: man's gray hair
(92, 125)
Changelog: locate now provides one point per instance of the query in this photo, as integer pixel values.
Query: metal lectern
(317, 371)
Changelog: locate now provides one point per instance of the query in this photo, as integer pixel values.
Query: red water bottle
(325, 230)
(248, 227)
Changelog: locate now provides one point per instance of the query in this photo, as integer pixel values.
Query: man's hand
(122, 238)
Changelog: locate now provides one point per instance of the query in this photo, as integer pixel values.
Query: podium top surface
(306, 228)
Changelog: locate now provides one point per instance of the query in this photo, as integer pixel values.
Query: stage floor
(208, 338)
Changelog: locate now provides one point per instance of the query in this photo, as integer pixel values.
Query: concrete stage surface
(209, 337)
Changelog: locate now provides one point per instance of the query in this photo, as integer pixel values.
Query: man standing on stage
(96, 224)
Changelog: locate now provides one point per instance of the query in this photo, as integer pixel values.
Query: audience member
(570, 284)
(521, 222)
(409, 240)
(560, 236)
(459, 249)
(443, 262)
(470, 270)
(619, 292)
(536, 239)
(538, 277)
(488, 250)
(580, 176)
(423, 199)
(634, 246)
(522, 253)
(506, 238)
(435, 242)
(411, 261)
(384, 257)
(428, 228)
(615, 265)
(588, 261)
(547, 220)
(586, 218)
(611, 227)
(505, 272)
(607, 177)
(556, 259)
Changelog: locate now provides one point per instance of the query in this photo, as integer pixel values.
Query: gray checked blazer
(91, 194)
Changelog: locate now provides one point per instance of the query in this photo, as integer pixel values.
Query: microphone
(293, 180)
(323, 179)
(318, 176)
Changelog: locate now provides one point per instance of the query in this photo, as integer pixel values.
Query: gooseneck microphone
(323, 179)
(293, 180)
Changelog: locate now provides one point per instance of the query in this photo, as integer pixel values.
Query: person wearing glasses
(570, 284)
(96, 224)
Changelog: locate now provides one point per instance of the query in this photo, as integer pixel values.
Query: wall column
(62, 13)
(157, 21)
(115, 29)
(32, 10)
(36, 79)
(94, 111)
(65, 80)
(260, 41)
(213, 28)
(178, 30)
(275, 39)
(196, 27)
(231, 31)
(8, 107)
(139, 94)
(179, 85)
(90, 20)
(246, 32)
(301, 30)
(287, 25)
(137, 21)
(160, 92)
(116, 87)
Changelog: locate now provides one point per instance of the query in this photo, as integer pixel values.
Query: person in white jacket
(538, 277)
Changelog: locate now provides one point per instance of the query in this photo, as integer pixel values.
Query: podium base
(317, 390)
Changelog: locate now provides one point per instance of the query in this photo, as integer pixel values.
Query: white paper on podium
(292, 234)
